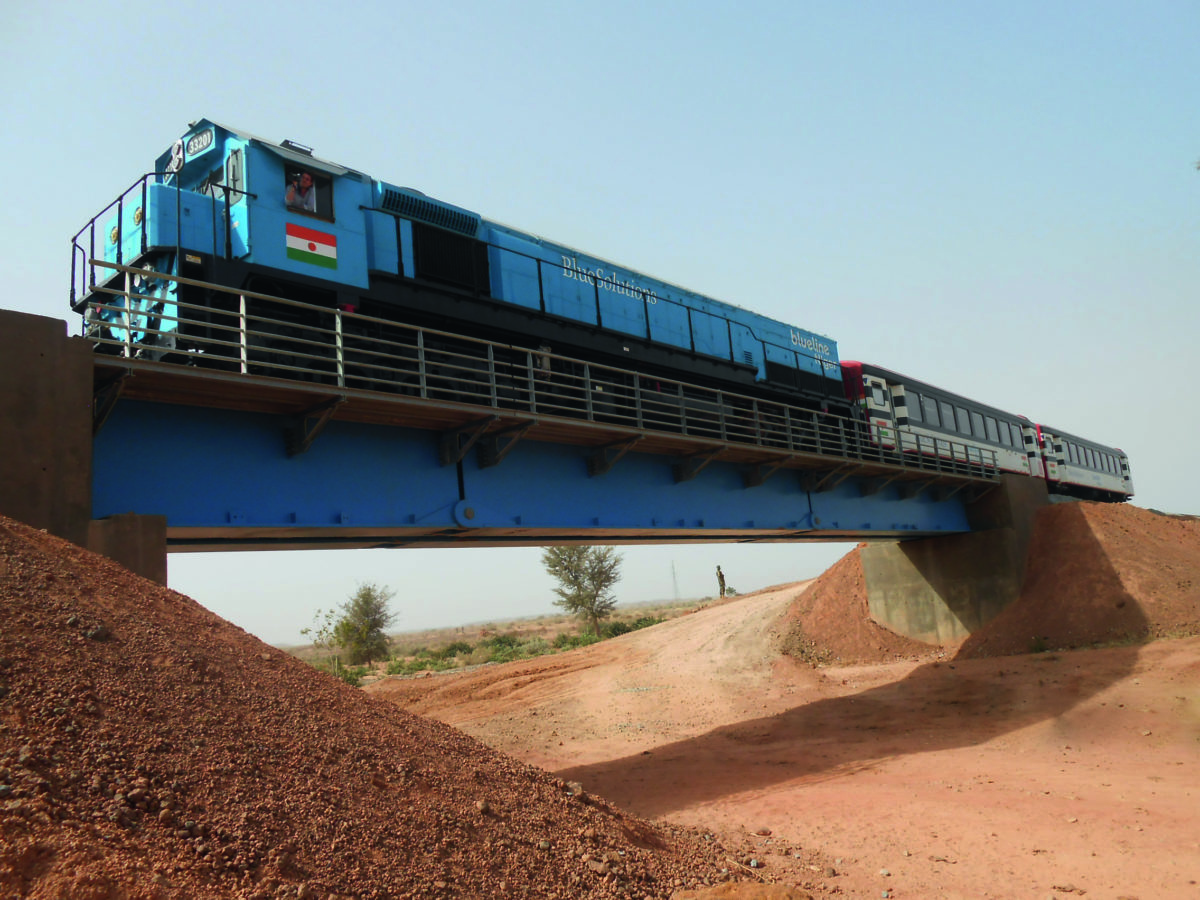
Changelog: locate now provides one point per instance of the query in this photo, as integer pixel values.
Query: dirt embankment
(149, 749)
(978, 770)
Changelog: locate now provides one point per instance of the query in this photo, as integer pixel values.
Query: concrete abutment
(940, 590)
(46, 446)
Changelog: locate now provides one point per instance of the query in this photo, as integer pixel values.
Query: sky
(1000, 199)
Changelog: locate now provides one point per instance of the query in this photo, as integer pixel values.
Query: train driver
(302, 193)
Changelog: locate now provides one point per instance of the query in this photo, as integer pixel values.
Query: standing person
(721, 581)
(301, 194)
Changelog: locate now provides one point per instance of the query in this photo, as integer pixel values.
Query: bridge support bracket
(300, 435)
(816, 482)
(604, 458)
(690, 467)
(870, 486)
(760, 472)
(454, 445)
(105, 399)
(494, 447)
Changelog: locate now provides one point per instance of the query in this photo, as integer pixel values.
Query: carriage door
(1052, 448)
(1032, 435)
(879, 411)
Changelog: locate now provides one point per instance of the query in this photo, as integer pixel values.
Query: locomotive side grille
(422, 209)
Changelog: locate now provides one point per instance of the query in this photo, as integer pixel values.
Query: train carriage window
(914, 407)
(1005, 434)
(947, 411)
(878, 395)
(1018, 438)
(992, 434)
(1071, 454)
(306, 191)
(977, 424)
(964, 420)
(931, 411)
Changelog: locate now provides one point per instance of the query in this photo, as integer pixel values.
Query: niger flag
(311, 246)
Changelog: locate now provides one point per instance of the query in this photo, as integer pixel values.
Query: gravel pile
(149, 749)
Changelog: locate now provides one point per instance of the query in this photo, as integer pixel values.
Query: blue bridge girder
(238, 461)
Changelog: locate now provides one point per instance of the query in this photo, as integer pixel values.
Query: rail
(262, 335)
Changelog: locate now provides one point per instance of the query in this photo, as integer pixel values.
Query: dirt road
(1043, 775)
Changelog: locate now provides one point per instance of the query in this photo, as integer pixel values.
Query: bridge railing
(261, 335)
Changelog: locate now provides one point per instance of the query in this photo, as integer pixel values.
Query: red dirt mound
(148, 749)
(829, 624)
(1096, 573)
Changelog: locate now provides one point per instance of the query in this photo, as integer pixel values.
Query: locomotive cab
(220, 207)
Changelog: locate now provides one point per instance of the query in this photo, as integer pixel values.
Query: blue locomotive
(226, 207)
(225, 210)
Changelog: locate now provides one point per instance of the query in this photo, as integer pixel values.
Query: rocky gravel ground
(149, 749)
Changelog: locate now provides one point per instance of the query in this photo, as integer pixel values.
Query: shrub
(564, 641)
(455, 648)
(352, 675)
(616, 629)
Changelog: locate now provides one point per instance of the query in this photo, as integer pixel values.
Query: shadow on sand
(937, 706)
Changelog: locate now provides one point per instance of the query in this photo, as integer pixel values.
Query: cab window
(309, 192)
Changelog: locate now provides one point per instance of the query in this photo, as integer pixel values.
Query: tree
(361, 627)
(585, 577)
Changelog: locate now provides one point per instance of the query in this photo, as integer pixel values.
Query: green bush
(352, 675)
(564, 641)
(420, 664)
(456, 648)
(501, 641)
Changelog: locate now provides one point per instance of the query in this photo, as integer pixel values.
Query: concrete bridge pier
(940, 590)
(46, 446)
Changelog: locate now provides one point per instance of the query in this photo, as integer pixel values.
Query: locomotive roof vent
(411, 205)
(298, 148)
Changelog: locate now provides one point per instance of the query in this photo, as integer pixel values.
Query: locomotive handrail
(258, 334)
(140, 184)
